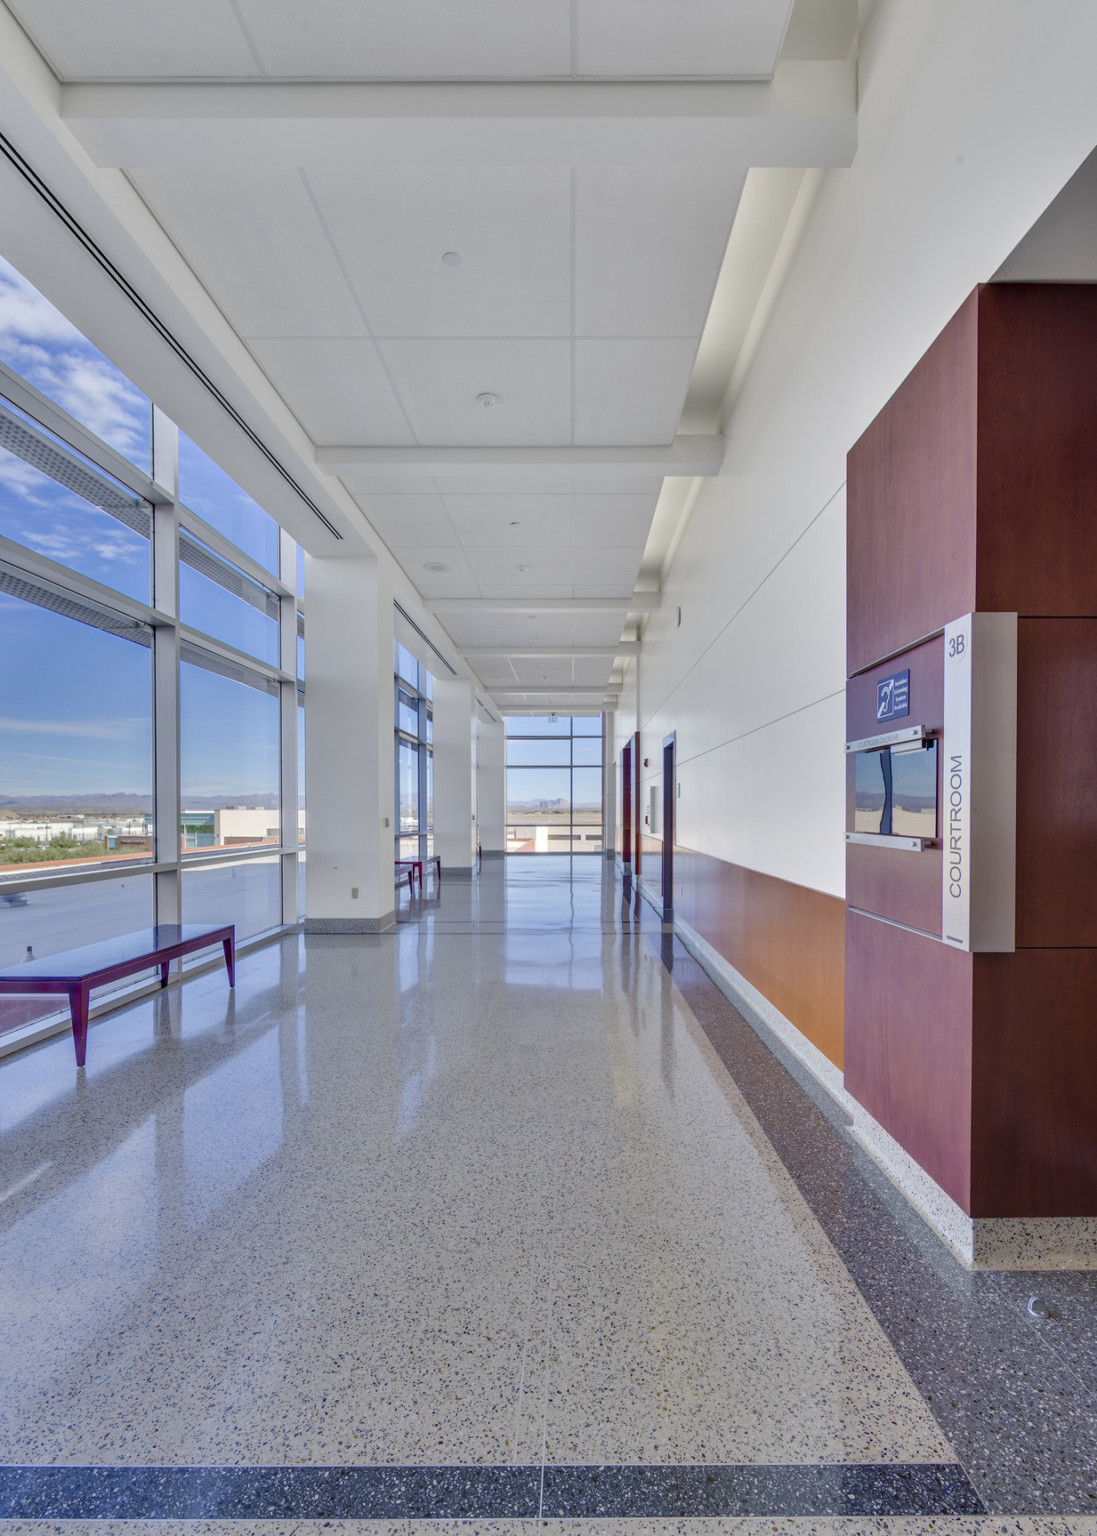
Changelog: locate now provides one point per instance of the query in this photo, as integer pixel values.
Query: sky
(76, 702)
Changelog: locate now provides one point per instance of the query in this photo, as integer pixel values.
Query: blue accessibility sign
(893, 696)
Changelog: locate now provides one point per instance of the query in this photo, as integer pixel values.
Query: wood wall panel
(903, 886)
(787, 940)
(908, 1044)
(1056, 783)
(1034, 1115)
(910, 498)
(1036, 498)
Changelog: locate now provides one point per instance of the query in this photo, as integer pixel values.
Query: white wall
(492, 785)
(972, 116)
(349, 746)
(454, 782)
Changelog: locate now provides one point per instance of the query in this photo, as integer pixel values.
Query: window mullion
(167, 808)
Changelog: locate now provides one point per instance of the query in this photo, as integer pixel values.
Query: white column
(610, 771)
(349, 748)
(454, 778)
(492, 787)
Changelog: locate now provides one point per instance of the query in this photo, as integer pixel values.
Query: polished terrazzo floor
(506, 1216)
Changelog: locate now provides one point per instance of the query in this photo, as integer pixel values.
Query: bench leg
(229, 946)
(78, 1010)
(164, 969)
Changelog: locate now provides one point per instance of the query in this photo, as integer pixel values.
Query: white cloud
(122, 729)
(39, 343)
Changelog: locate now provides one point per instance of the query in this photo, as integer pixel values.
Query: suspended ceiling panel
(423, 39)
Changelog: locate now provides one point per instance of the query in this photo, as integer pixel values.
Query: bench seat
(76, 971)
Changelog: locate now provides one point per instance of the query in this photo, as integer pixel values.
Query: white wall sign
(978, 814)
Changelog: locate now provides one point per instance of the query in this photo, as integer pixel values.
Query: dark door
(637, 813)
(669, 790)
(626, 807)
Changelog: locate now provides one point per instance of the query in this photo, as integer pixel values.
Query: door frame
(626, 806)
(670, 786)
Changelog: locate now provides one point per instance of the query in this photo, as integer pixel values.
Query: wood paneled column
(975, 491)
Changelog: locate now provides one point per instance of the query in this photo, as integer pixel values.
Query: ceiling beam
(533, 653)
(637, 602)
(548, 691)
(690, 455)
(805, 116)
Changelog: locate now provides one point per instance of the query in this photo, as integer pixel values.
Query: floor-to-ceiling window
(138, 627)
(414, 715)
(554, 784)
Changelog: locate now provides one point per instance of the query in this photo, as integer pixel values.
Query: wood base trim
(787, 940)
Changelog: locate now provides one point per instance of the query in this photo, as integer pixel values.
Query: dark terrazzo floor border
(1017, 1399)
(480, 1492)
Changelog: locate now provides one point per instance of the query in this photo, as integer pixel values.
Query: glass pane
(586, 789)
(407, 847)
(407, 712)
(40, 345)
(538, 810)
(406, 665)
(207, 605)
(586, 751)
(207, 490)
(76, 743)
(587, 725)
(46, 922)
(407, 791)
(300, 572)
(48, 517)
(539, 725)
(301, 657)
(300, 773)
(430, 791)
(229, 752)
(248, 894)
(554, 753)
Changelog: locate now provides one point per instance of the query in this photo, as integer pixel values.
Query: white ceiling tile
(545, 566)
(338, 390)
(630, 392)
(511, 227)
(456, 580)
(618, 567)
(256, 244)
(408, 520)
(120, 39)
(488, 519)
(438, 382)
(649, 241)
(423, 39)
(613, 520)
(680, 37)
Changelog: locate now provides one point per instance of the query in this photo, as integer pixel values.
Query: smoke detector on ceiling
(487, 402)
(451, 258)
(435, 565)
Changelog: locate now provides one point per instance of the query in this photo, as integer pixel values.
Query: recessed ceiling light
(451, 258)
(487, 402)
(522, 569)
(435, 565)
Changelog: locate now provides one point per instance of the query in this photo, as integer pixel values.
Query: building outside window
(414, 718)
(98, 683)
(554, 784)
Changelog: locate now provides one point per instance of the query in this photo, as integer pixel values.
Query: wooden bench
(76, 971)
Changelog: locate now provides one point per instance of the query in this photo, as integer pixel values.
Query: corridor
(505, 1216)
